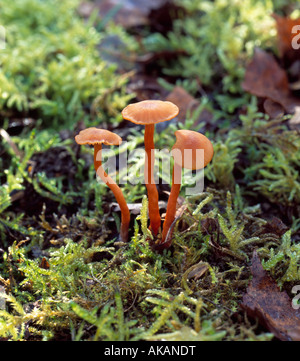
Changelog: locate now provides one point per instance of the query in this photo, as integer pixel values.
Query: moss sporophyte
(192, 150)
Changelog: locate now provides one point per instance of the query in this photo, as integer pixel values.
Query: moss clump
(51, 67)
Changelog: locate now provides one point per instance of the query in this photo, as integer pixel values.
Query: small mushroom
(97, 137)
(148, 113)
(185, 140)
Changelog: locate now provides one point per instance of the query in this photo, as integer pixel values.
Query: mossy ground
(62, 276)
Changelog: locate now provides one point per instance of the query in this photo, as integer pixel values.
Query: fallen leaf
(272, 307)
(266, 79)
(275, 226)
(188, 104)
(273, 109)
(183, 100)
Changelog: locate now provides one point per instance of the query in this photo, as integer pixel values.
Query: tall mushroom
(191, 141)
(148, 113)
(97, 137)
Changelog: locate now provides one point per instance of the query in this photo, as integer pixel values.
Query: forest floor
(233, 269)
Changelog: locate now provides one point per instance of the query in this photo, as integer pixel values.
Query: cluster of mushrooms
(148, 113)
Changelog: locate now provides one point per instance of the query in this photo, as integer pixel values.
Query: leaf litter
(276, 80)
(266, 77)
(273, 308)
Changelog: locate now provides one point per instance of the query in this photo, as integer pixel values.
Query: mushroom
(185, 140)
(148, 113)
(97, 137)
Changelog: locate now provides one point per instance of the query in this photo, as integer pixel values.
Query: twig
(13, 146)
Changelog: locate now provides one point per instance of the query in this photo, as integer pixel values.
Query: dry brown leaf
(187, 103)
(272, 307)
(183, 100)
(266, 79)
(273, 109)
(275, 226)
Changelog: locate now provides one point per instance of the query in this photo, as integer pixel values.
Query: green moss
(218, 37)
(283, 261)
(51, 64)
(61, 270)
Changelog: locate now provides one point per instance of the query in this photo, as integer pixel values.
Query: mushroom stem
(171, 207)
(97, 149)
(125, 214)
(154, 215)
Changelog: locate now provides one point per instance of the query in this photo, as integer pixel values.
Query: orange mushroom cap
(150, 112)
(94, 136)
(190, 140)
